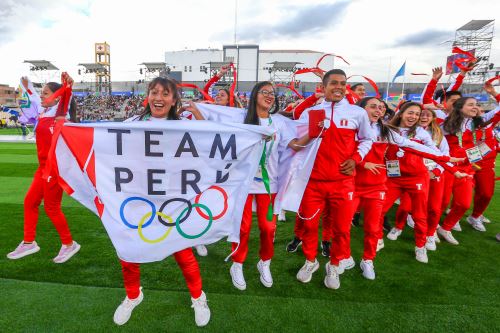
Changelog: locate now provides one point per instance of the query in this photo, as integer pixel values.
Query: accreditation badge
(430, 164)
(473, 154)
(393, 169)
(484, 149)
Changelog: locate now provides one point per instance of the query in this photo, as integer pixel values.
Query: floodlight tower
(477, 36)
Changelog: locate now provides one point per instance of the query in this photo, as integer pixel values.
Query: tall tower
(103, 77)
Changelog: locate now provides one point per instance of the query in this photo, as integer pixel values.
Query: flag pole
(388, 78)
(404, 79)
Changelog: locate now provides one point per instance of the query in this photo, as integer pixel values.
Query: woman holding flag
(163, 101)
(261, 111)
(51, 109)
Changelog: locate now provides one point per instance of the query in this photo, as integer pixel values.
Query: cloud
(424, 38)
(299, 21)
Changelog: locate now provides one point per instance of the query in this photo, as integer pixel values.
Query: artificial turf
(458, 290)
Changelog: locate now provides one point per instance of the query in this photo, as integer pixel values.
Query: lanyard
(461, 133)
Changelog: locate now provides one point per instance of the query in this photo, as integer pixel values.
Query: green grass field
(12, 131)
(459, 290)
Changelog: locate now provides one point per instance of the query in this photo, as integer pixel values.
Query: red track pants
(326, 220)
(484, 188)
(418, 190)
(462, 197)
(267, 229)
(372, 204)
(186, 261)
(434, 202)
(51, 194)
(338, 196)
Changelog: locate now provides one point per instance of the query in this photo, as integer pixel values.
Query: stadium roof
(284, 64)
(42, 64)
(289, 51)
(93, 66)
(154, 65)
(475, 25)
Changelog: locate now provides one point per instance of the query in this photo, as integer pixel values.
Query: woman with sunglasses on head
(262, 110)
(371, 179)
(163, 101)
(46, 190)
(460, 129)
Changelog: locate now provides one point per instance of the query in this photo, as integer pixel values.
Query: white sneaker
(237, 277)
(124, 310)
(476, 223)
(201, 250)
(410, 222)
(421, 254)
(23, 250)
(201, 310)
(265, 273)
(430, 244)
(380, 244)
(368, 269)
(457, 227)
(66, 252)
(346, 264)
(447, 236)
(484, 219)
(332, 279)
(394, 234)
(436, 238)
(305, 273)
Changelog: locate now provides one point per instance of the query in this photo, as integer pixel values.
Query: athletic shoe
(380, 244)
(457, 227)
(421, 254)
(430, 244)
(346, 264)
(436, 238)
(325, 248)
(447, 236)
(201, 310)
(201, 250)
(237, 277)
(355, 219)
(368, 269)
(410, 222)
(484, 219)
(282, 216)
(265, 273)
(394, 234)
(293, 245)
(332, 279)
(305, 273)
(66, 252)
(23, 250)
(387, 225)
(448, 211)
(476, 223)
(124, 310)
(498, 237)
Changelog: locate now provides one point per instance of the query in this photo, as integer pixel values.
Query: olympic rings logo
(147, 219)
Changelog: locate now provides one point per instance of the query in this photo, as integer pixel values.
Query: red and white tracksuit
(484, 178)
(414, 181)
(371, 189)
(284, 134)
(327, 186)
(326, 218)
(461, 188)
(44, 190)
(184, 258)
(436, 189)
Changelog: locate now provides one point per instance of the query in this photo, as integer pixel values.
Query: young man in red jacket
(347, 139)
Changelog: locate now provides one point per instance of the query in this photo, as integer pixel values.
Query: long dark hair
(396, 120)
(170, 86)
(384, 129)
(252, 117)
(54, 86)
(453, 123)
